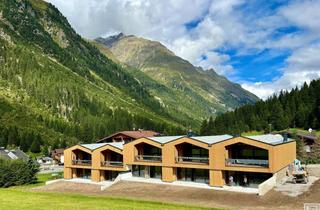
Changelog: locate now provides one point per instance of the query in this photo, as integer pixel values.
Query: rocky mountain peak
(110, 40)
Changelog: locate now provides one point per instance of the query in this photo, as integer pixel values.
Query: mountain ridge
(162, 65)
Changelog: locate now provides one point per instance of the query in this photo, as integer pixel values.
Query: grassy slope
(165, 95)
(303, 131)
(41, 78)
(17, 198)
(252, 133)
(208, 92)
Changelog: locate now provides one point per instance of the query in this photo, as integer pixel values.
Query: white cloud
(303, 14)
(302, 66)
(222, 25)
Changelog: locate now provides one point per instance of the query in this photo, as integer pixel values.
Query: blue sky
(265, 46)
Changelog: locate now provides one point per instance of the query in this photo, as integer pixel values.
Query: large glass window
(194, 175)
(246, 179)
(244, 151)
(138, 171)
(110, 175)
(83, 173)
(155, 172)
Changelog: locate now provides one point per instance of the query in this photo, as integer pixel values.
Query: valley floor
(25, 197)
(190, 196)
(140, 196)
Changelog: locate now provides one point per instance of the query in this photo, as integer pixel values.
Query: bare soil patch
(193, 196)
(69, 187)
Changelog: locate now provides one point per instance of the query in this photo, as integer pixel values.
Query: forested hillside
(297, 108)
(57, 89)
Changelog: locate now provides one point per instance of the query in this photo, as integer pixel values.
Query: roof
(205, 139)
(58, 151)
(13, 154)
(4, 154)
(268, 139)
(20, 154)
(273, 139)
(133, 134)
(212, 139)
(118, 145)
(164, 139)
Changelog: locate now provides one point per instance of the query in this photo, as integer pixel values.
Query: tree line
(298, 108)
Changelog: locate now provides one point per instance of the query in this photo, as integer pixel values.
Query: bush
(17, 172)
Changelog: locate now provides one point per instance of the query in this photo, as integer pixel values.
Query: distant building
(13, 154)
(57, 155)
(45, 160)
(311, 143)
(128, 136)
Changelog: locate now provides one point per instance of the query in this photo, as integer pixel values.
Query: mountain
(59, 89)
(200, 93)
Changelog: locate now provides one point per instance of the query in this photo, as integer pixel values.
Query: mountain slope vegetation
(298, 108)
(58, 89)
(204, 93)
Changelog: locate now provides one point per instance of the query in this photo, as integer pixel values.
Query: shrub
(17, 172)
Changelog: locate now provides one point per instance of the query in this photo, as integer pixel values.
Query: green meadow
(21, 198)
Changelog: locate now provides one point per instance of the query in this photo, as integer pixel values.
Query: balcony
(247, 162)
(82, 162)
(149, 158)
(201, 160)
(112, 164)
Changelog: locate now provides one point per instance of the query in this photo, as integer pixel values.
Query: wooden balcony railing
(151, 158)
(82, 162)
(181, 159)
(247, 162)
(112, 163)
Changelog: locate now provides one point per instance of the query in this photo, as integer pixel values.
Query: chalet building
(213, 160)
(128, 136)
(57, 155)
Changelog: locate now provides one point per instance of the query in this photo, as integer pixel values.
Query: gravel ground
(294, 190)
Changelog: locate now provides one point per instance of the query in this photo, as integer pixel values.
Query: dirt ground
(192, 196)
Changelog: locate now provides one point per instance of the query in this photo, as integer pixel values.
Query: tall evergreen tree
(297, 108)
(36, 145)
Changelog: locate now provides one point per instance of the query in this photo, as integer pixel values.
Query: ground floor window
(247, 179)
(193, 175)
(147, 171)
(83, 173)
(110, 175)
(155, 172)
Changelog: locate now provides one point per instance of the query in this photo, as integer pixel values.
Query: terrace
(147, 152)
(81, 158)
(246, 155)
(188, 153)
(111, 159)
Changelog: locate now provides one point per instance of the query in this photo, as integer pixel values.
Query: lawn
(21, 198)
(304, 131)
(252, 133)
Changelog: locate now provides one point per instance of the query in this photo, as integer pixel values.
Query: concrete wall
(267, 185)
(281, 175)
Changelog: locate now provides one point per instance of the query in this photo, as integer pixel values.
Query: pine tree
(36, 145)
(13, 137)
